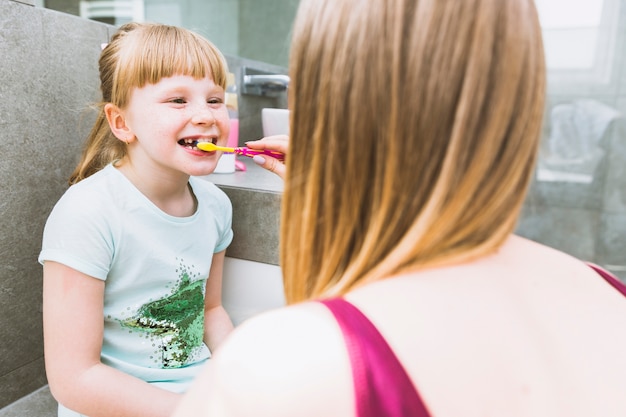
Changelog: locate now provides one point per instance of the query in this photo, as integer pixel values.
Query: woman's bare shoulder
(279, 363)
(294, 330)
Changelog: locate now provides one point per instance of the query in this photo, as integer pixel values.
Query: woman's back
(528, 331)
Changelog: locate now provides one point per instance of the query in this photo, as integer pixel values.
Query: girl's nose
(203, 115)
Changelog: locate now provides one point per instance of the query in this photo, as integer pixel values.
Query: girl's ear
(117, 123)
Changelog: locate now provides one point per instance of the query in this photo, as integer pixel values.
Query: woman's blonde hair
(414, 132)
(140, 54)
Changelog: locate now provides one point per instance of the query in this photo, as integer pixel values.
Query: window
(579, 43)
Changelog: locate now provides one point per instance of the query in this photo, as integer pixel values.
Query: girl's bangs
(166, 55)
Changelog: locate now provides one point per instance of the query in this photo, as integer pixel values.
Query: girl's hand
(278, 143)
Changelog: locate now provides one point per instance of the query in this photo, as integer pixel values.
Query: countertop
(256, 197)
(254, 178)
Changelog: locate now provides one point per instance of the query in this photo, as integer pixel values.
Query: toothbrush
(241, 150)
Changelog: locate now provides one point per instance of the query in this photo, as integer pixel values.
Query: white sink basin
(275, 121)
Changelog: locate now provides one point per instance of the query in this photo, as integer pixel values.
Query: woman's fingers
(279, 143)
(271, 164)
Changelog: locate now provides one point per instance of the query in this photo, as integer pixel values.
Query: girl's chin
(201, 172)
(202, 169)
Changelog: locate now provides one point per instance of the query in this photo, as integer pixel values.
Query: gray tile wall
(47, 76)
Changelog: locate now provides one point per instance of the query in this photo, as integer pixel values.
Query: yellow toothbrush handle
(210, 147)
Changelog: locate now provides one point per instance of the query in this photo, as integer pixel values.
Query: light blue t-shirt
(155, 267)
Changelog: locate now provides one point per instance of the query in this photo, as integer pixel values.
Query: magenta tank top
(381, 385)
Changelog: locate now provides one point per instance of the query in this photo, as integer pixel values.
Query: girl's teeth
(192, 143)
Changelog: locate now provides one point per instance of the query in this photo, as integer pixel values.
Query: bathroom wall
(48, 77)
(47, 74)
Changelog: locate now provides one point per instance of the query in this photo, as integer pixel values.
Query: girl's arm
(217, 323)
(73, 331)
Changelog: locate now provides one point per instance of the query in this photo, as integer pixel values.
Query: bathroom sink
(275, 121)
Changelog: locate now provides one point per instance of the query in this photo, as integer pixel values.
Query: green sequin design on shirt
(176, 320)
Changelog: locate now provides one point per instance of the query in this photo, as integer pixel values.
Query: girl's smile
(192, 143)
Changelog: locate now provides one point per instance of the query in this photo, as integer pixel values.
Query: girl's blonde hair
(140, 54)
(414, 132)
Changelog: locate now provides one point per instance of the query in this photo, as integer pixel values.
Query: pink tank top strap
(610, 278)
(382, 386)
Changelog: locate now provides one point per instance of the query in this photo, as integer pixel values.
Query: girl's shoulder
(99, 183)
(92, 192)
(198, 183)
(206, 190)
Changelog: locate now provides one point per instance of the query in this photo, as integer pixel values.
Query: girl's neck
(172, 194)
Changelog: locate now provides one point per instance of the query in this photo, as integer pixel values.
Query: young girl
(133, 252)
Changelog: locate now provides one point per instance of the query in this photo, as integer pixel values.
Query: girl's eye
(214, 101)
(178, 100)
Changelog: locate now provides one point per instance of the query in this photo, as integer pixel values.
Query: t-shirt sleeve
(78, 234)
(221, 208)
(225, 222)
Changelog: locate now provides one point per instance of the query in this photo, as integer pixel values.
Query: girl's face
(168, 118)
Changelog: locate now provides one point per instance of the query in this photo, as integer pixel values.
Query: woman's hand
(278, 143)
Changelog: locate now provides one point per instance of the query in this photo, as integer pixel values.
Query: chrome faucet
(262, 83)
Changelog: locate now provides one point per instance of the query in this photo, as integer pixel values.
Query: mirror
(253, 29)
